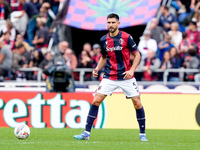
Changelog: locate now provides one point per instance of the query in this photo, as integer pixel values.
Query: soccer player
(116, 48)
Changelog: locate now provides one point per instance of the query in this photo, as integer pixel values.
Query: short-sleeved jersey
(117, 51)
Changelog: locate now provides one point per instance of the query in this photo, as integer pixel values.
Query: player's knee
(138, 106)
(137, 103)
(96, 102)
(98, 99)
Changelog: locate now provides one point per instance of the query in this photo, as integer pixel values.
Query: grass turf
(101, 139)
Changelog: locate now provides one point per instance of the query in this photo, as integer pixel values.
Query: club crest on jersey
(121, 41)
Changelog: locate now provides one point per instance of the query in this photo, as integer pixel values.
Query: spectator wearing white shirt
(176, 35)
(146, 44)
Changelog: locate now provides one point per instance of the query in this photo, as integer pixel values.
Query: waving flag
(91, 14)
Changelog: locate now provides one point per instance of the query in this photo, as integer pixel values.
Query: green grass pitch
(101, 139)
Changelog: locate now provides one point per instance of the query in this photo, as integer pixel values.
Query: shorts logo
(121, 41)
(99, 88)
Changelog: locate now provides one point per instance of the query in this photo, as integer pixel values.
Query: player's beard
(112, 30)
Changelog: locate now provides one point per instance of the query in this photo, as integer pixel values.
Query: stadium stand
(181, 32)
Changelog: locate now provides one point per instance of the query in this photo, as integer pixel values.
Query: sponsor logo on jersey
(116, 48)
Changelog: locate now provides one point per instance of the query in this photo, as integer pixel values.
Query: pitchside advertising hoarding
(69, 110)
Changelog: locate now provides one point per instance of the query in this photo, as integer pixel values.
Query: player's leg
(92, 115)
(105, 88)
(140, 114)
(131, 91)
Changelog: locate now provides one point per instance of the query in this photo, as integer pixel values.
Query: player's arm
(133, 48)
(100, 65)
(129, 74)
(135, 62)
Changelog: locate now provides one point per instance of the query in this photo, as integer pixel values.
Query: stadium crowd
(171, 41)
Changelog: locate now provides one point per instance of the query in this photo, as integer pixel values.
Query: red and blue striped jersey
(117, 51)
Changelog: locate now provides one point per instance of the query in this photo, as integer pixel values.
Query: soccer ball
(22, 131)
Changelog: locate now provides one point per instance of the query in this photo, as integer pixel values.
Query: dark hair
(192, 52)
(193, 23)
(184, 35)
(20, 46)
(176, 55)
(113, 15)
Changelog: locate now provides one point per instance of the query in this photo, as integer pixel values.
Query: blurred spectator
(37, 3)
(7, 41)
(184, 45)
(62, 46)
(166, 18)
(175, 63)
(41, 39)
(85, 61)
(60, 51)
(166, 64)
(70, 59)
(193, 33)
(5, 59)
(36, 59)
(87, 47)
(148, 65)
(187, 4)
(197, 15)
(95, 59)
(157, 32)
(176, 35)
(54, 4)
(191, 62)
(48, 13)
(175, 58)
(46, 62)
(5, 11)
(197, 12)
(32, 12)
(164, 46)
(97, 54)
(20, 40)
(12, 30)
(147, 44)
(15, 5)
(19, 61)
(43, 12)
(186, 53)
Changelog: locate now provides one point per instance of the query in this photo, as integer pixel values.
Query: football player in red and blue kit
(116, 48)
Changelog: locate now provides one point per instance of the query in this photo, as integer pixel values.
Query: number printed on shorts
(136, 88)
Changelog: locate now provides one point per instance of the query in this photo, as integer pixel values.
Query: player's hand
(128, 75)
(95, 72)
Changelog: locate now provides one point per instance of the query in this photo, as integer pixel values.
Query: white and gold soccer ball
(22, 131)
